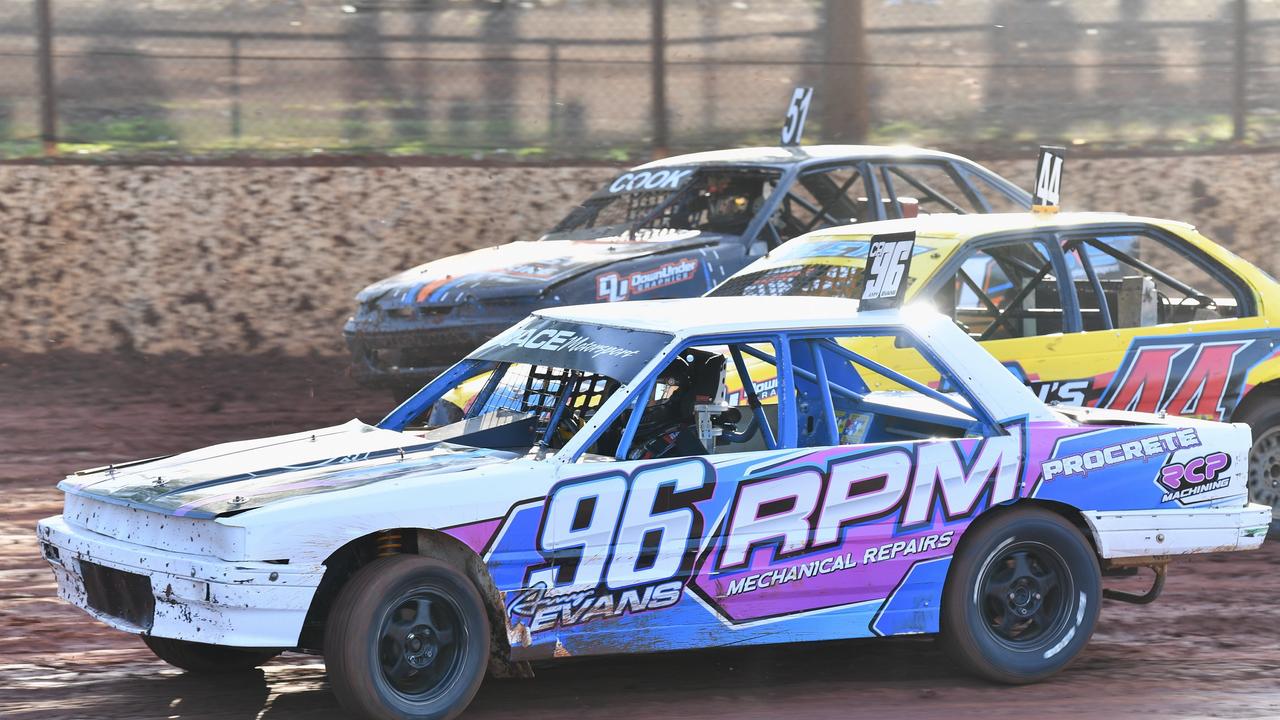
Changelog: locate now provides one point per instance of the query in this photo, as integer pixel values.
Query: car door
(1163, 326)
(822, 515)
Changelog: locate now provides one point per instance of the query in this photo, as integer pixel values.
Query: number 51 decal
(797, 111)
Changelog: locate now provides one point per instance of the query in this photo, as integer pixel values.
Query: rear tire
(407, 637)
(1264, 456)
(1022, 597)
(207, 659)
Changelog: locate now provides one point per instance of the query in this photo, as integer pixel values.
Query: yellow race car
(1155, 318)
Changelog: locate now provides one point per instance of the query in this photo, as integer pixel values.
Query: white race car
(600, 492)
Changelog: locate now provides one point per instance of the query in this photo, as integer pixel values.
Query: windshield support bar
(568, 384)
(828, 406)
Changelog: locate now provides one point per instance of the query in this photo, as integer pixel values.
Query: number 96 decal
(614, 544)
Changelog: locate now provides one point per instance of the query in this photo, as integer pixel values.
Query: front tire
(407, 637)
(1021, 598)
(206, 659)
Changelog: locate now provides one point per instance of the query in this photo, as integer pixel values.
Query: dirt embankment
(1209, 648)
(209, 260)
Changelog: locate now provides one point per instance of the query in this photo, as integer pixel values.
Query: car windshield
(818, 266)
(649, 204)
(535, 385)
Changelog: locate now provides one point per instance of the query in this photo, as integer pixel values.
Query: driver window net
(537, 389)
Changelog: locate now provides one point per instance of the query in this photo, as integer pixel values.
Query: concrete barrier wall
(217, 259)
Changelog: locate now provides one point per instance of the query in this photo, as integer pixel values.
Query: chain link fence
(620, 80)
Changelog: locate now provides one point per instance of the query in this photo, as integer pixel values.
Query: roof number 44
(1048, 177)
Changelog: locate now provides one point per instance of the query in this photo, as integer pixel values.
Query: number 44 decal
(1048, 178)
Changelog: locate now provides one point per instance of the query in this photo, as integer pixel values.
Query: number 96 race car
(601, 493)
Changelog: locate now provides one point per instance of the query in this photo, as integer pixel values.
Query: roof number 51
(797, 111)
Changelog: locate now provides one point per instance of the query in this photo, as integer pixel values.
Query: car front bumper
(1166, 533)
(409, 357)
(140, 589)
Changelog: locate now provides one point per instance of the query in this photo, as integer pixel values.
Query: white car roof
(794, 154)
(698, 316)
(1003, 395)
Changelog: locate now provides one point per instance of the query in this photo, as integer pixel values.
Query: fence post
(236, 127)
(847, 116)
(44, 70)
(658, 68)
(1240, 86)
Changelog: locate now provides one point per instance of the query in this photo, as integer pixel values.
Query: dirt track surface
(1210, 647)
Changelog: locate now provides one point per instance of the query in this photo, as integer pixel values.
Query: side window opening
(697, 404)
(823, 198)
(1005, 291)
(997, 199)
(872, 389)
(934, 188)
(841, 390)
(1128, 280)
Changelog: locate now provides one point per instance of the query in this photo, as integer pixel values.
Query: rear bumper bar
(1165, 533)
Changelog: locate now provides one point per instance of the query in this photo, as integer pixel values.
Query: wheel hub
(420, 647)
(1025, 598)
(1023, 594)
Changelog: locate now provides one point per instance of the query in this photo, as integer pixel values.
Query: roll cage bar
(787, 372)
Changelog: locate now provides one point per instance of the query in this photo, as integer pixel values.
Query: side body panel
(811, 544)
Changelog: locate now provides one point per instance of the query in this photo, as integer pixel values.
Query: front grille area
(120, 594)
(427, 349)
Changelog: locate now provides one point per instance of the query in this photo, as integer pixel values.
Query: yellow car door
(1164, 327)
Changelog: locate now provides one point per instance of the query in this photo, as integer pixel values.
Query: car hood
(521, 269)
(237, 476)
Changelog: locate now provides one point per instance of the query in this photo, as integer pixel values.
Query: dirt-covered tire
(1264, 456)
(407, 637)
(207, 659)
(1021, 598)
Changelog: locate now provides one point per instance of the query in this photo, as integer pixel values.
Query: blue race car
(670, 228)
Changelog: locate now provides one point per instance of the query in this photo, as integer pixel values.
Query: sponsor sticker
(1158, 445)
(1185, 482)
(613, 287)
(649, 180)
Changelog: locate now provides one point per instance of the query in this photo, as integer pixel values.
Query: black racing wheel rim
(1025, 596)
(421, 644)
